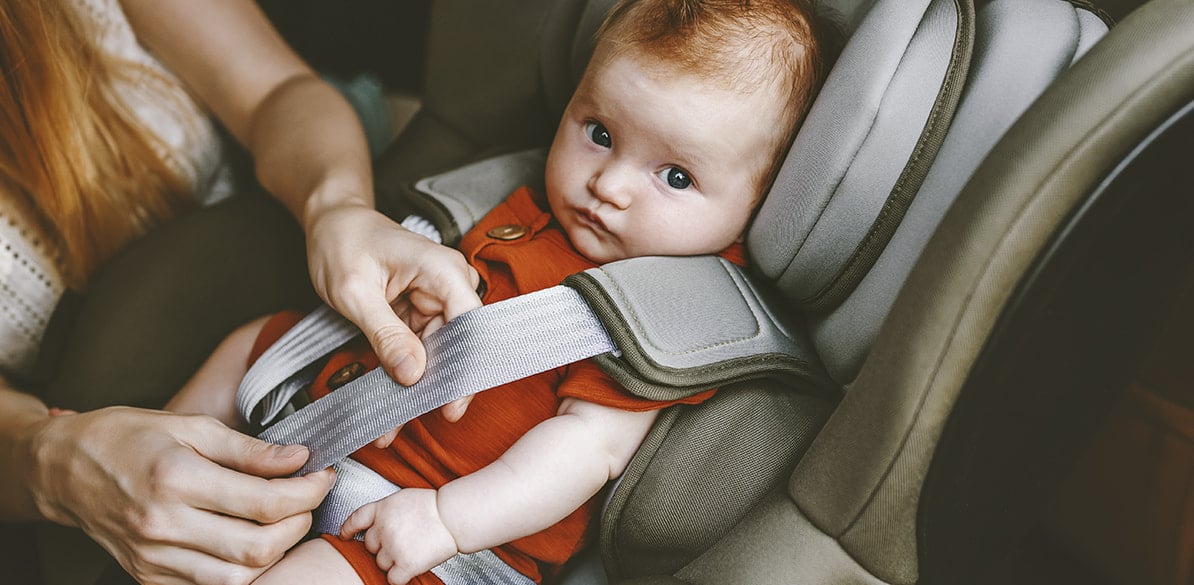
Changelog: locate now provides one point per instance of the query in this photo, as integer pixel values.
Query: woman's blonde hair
(68, 145)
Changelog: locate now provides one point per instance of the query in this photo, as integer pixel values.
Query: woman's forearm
(307, 143)
(23, 416)
(309, 149)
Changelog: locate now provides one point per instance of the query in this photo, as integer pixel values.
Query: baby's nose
(613, 185)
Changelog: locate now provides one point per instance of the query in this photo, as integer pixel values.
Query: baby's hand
(404, 532)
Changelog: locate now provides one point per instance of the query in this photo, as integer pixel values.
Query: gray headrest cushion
(858, 138)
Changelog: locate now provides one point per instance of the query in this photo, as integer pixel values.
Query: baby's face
(648, 161)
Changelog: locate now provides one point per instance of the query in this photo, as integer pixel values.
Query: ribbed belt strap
(357, 485)
(486, 347)
(271, 381)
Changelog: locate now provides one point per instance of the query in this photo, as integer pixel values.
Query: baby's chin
(596, 251)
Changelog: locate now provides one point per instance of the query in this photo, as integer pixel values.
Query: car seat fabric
(1020, 47)
(868, 141)
(482, 95)
(875, 122)
(1064, 348)
(872, 133)
(861, 482)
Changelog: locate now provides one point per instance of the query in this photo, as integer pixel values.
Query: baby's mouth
(593, 219)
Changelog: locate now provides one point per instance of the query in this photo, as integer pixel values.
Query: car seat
(1026, 309)
(921, 93)
(900, 486)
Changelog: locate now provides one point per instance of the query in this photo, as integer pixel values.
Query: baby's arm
(546, 475)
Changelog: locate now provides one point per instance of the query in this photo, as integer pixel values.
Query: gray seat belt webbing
(270, 382)
(358, 485)
(314, 336)
(486, 347)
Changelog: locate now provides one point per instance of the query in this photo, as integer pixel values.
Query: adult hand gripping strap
(545, 329)
(704, 326)
(481, 349)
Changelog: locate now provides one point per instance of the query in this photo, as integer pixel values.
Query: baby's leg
(314, 561)
(212, 390)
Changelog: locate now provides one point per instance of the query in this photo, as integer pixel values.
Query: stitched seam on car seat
(1093, 9)
(1078, 40)
(913, 175)
(836, 538)
(853, 157)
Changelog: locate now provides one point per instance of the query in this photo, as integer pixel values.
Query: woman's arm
(143, 485)
(23, 415)
(310, 152)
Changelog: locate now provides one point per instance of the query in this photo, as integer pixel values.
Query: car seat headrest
(831, 209)
(864, 149)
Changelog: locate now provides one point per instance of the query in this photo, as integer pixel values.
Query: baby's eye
(676, 178)
(598, 134)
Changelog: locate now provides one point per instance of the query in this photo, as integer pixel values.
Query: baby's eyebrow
(692, 160)
(585, 100)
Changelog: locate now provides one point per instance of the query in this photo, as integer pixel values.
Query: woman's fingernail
(406, 371)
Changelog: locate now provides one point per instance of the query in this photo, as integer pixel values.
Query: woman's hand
(390, 282)
(174, 498)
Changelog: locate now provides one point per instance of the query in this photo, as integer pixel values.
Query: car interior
(977, 246)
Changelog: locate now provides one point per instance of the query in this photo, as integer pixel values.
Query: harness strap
(274, 383)
(486, 347)
(512, 339)
(315, 336)
(358, 485)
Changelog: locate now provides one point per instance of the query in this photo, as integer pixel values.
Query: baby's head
(679, 124)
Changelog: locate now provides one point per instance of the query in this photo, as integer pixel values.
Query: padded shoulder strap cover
(687, 324)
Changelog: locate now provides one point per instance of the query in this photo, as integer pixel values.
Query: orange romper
(430, 452)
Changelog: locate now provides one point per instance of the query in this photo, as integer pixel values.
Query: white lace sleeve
(31, 284)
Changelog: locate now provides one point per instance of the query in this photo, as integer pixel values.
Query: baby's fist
(404, 532)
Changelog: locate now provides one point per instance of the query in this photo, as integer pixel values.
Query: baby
(668, 144)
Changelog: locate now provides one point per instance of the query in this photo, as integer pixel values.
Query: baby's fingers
(384, 441)
(358, 521)
(454, 410)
